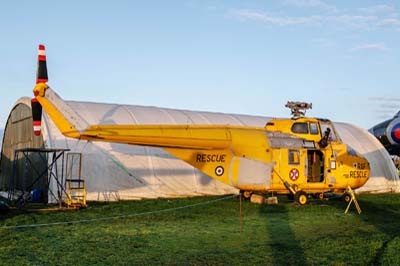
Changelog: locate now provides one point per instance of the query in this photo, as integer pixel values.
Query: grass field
(286, 234)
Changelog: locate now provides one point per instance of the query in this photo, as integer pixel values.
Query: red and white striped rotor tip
(41, 75)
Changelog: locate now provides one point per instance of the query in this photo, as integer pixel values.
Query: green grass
(286, 234)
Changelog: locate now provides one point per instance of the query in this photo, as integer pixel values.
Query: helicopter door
(315, 166)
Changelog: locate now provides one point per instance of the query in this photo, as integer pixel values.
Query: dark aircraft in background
(388, 133)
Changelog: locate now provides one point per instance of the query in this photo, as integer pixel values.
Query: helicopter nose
(359, 173)
(363, 163)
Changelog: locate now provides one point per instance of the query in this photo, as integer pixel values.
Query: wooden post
(241, 214)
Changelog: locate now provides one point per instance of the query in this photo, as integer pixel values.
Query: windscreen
(324, 128)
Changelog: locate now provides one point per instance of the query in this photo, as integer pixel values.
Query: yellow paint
(222, 152)
(207, 161)
(188, 142)
(40, 89)
(58, 118)
(285, 126)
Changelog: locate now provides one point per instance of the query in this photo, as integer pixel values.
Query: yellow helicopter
(297, 156)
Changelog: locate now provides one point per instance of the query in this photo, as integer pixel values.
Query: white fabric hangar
(123, 171)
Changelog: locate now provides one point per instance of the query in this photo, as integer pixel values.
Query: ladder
(76, 192)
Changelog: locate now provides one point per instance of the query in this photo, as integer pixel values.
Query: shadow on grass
(285, 249)
(8, 214)
(383, 216)
(382, 212)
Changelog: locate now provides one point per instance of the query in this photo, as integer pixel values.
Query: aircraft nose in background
(396, 133)
(393, 132)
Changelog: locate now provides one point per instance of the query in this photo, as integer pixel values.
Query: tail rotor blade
(36, 116)
(41, 74)
(41, 77)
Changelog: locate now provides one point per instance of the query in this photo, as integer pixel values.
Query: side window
(300, 128)
(294, 157)
(314, 129)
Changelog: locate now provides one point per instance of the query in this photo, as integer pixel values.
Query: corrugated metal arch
(18, 134)
(142, 172)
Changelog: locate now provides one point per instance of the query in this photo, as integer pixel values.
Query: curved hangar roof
(125, 171)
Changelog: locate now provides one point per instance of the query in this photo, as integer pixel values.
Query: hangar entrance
(42, 167)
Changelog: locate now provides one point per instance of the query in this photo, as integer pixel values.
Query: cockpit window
(380, 131)
(300, 128)
(314, 128)
(324, 129)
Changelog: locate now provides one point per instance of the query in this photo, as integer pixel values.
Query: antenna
(298, 109)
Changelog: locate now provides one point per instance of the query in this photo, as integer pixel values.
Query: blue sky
(246, 57)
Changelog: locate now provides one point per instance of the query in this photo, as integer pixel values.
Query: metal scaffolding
(47, 157)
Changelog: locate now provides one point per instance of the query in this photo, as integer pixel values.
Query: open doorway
(315, 166)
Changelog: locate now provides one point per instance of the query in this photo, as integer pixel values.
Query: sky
(244, 57)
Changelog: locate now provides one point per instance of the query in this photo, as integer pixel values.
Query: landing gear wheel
(346, 197)
(247, 194)
(319, 196)
(301, 197)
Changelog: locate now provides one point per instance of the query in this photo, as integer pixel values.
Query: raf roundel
(395, 134)
(294, 174)
(393, 131)
(219, 171)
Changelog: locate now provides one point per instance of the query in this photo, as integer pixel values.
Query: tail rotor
(41, 77)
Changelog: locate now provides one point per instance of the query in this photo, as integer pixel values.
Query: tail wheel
(301, 197)
(247, 194)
